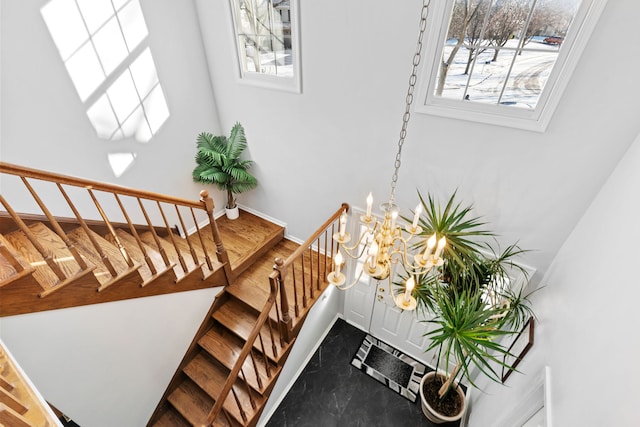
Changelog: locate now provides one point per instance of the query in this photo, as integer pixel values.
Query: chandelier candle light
(386, 243)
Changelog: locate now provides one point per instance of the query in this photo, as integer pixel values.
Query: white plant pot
(430, 413)
(232, 213)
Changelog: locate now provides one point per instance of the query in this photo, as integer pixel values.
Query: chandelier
(386, 242)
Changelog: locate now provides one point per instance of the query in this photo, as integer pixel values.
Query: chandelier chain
(409, 98)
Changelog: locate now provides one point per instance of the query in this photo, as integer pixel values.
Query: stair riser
(22, 297)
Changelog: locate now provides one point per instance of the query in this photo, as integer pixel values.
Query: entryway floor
(330, 392)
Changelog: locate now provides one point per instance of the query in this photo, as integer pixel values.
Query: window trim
(534, 120)
(288, 84)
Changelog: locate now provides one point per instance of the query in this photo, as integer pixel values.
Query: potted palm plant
(218, 162)
(470, 303)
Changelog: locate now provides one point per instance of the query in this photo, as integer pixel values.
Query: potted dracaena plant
(218, 162)
(469, 302)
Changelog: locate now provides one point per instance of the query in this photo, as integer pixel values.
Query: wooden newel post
(221, 253)
(286, 324)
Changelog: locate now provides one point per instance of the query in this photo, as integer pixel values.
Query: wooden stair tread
(12, 402)
(5, 383)
(11, 418)
(173, 255)
(196, 245)
(246, 239)
(253, 286)
(241, 319)
(59, 252)
(191, 402)
(211, 378)
(84, 245)
(12, 265)
(226, 349)
(251, 226)
(133, 249)
(20, 405)
(170, 418)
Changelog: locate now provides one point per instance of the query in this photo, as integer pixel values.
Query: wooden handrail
(95, 189)
(95, 185)
(309, 242)
(281, 268)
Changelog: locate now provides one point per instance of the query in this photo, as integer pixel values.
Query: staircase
(136, 245)
(237, 354)
(28, 284)
(20, 404)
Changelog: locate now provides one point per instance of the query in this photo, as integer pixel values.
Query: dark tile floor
(330, 392)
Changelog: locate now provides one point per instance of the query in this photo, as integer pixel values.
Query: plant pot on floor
(232, 213)
(430, 403)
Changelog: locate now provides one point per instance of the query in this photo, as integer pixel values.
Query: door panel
(399, 328)
(358, 304)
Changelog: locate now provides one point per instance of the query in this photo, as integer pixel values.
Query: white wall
(104, 364)
(336, 141)
(107, 364)
(317, 324)
(44, 123)
(587, 332)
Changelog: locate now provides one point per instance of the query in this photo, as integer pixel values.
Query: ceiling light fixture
(385, 242)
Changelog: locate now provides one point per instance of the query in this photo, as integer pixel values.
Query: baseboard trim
(221, 213)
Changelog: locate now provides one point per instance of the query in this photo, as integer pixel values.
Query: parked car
(553, 40)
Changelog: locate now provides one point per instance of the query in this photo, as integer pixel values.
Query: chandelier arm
(349, 249)
(350, 285)
(407, 263)
(399, 251)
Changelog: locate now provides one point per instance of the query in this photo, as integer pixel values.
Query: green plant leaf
(218, 162)
(468, 296)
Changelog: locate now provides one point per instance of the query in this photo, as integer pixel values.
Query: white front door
(370, 306)
(404, 330)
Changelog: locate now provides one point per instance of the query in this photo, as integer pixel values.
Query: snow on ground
(526, 74)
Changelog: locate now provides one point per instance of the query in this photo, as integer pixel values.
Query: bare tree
(464, 12)
(476, 34)
(549, 18)
(261, 26)
(477, 24)
(507, 20)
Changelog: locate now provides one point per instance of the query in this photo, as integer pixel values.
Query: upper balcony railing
(65, 200)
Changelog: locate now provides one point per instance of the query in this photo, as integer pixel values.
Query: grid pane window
(504, 62)
(266, 43)
(502, 51)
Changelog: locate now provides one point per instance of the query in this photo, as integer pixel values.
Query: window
(103, 46)
(504, 62)
(267, 42)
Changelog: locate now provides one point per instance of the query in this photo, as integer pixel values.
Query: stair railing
(128, 202)
(303, 273)
(20, 403)
(307, 267)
